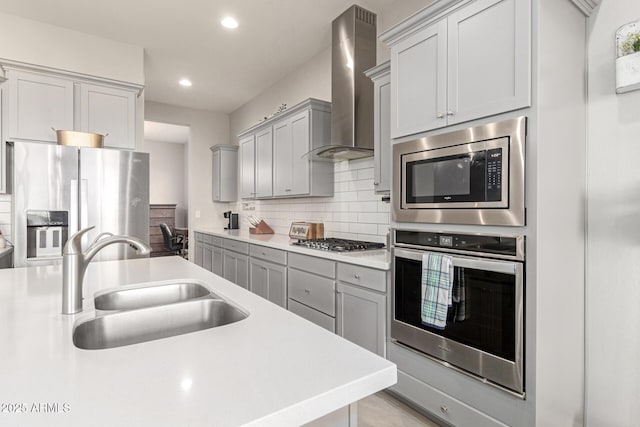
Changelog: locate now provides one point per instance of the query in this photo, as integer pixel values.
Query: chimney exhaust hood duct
(353, 51)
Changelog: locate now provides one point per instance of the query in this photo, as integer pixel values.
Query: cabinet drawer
(363, 276)
(199, 237)
(207, 238)
(315, 291)
(216, 241)
(443, 406)
(236, 246)
(313, 265)
(313, 316)
(268, 254)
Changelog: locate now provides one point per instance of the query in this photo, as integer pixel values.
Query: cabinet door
(230, 266)
(382, 136)
(207, 256)
(199, 256)
(264, 163)
(418, 81)
(109, 111)
(36, 104)
(236, 268)
(282, 158)
(300, 137)
(247, 167)
(360, 317)
(489, 57)
(215, 176)
(217, 267)
(269, 281)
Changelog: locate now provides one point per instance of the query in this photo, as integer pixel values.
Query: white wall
(206, 129)
(167, 171)
(37, 43)
(613, 244)
(5, 216)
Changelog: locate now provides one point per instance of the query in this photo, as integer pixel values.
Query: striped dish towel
(437, 283)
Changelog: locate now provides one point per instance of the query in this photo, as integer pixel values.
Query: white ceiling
(185, 39)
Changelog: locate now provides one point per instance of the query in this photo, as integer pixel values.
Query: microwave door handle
(464, 262)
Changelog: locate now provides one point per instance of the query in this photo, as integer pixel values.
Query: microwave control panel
(494, 174)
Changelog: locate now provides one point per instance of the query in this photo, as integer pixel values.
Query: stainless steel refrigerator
(58, 190)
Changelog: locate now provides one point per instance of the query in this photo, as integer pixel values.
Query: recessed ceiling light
(185, 82)
(229, 22)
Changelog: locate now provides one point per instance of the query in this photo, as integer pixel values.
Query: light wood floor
(382, 409)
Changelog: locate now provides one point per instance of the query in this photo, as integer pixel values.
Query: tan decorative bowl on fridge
(80, 139)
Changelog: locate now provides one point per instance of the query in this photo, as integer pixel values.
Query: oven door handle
(506, 267)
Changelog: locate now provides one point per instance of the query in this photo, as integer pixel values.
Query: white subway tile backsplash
(373, 218)
(354, 212)
(384, 207)
(363, 228)
(361, 184)
(365, 173)
(367, 196)
(363, 207)
(345, 216)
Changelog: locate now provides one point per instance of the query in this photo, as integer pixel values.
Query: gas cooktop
(338, 245)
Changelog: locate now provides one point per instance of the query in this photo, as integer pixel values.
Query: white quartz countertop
(272, 368)
(379, 258)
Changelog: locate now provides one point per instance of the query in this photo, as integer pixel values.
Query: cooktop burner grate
(338, 245)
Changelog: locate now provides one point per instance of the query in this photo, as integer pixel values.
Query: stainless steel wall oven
(484, 332)
(469, 176)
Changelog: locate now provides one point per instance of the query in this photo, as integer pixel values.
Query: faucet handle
(74, 243)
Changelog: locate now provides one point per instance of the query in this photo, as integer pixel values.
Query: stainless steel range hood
(353, 51)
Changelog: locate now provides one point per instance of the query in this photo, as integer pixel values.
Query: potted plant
(628, 61)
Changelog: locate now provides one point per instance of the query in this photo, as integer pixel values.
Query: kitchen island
(272, 368)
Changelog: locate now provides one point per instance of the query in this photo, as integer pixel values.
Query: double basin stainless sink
(131, 315)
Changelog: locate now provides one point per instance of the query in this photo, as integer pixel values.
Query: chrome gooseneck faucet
(75, 262)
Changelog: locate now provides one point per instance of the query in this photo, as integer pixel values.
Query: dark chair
(175, 244)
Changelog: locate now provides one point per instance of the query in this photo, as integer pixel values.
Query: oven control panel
(473, 243)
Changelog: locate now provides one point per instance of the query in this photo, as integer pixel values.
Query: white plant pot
(628, 73)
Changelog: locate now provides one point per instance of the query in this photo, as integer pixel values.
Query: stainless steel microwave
(469, 176)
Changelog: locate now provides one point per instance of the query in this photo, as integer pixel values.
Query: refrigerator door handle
(84, 209)
(73, 208)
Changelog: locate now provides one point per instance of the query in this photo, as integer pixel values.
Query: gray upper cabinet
(247, 167)
(280, 148)
(39, 100)
(224, 173)
(36, 103)
(474, 63)
(380, 75)
(111, 112)
(264, 163)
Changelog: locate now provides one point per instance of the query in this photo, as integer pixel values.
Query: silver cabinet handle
(450, 113)
(439, 115)
(307, 291)
(376, 183)
(444, 409)
(357, 276)
(287, 189)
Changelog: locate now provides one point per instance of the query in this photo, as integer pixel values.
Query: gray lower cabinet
(361, 306)
(360, 317)
(269, 281)
(311, 289)
(217, 264)
(236, 268)
(199, 248)
(268, 273)
(235, 262)
(207, 256)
